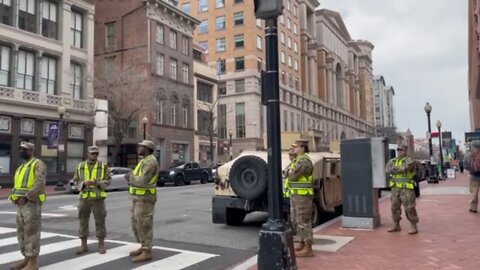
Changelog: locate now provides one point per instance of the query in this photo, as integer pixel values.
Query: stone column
(39, 13)
(15, 5)
(38, 76)
(312, 75)
(64, 63)
(13, 74)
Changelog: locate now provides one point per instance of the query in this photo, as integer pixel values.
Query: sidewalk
(49, 190)
(448, 238)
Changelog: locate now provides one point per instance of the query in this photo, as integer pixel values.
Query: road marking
(6, 230)
(14, 240)
(47, 249)
(178, 261)
(72, 207)
(43, 214)
(93, 259)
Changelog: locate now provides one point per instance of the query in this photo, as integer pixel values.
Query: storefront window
(5, 154)
(179, 153)
(50, 157)
(75, 155)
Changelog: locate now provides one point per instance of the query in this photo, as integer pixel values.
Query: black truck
(184, 174)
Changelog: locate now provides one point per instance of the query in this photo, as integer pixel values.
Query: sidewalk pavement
(448, 238)
(49, 190)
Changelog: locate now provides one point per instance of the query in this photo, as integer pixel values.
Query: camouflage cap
(402, 146)
(27, 145)
(93, 149)
(147, 143)
(301, 142)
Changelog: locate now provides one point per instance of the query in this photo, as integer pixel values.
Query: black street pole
(61, 157)
(276, 238)
(144, 131)
(440, 148)
(430, 149)
(230, 152)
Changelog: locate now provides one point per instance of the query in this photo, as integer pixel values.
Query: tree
(210, 130)
(389, 132)
(126, 92)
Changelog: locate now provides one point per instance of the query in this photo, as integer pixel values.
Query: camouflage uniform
(301, 205)
(29, 194)
(89, 204)
(402, 192)
(474, 178)
(143, 206)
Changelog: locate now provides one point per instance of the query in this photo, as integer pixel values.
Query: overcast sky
(421, 50)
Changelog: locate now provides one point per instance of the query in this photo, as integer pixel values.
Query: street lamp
(61, 110)
(428, 110)
(144, 120)
(230, 133)
(439, 126)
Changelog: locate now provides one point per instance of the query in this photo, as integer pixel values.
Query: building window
(220, 23)
(158, 116)
(5, 54)
(173, 68)
(284, 77)
(259, 23)
(187, 8)
(282, 37)
(240, 86)
(221, 45)
(295, 30)
(259, 42)
(48, 70)
(202, 5)
(297, 84)
(26, 67)
(110, 34)
(299, 122)
(292, 121)
(282, 19)
(283, 57)
(239, 41)
(49, 19)
(77, 29)
(27, 20)
(109, 65)
(239, 63)
(238, 18)
(75, 153)
(186, 45)
(185, 115)
(6, 12)
(160, 65)
(285, 120)
(289, 42)
(222, 88)
(290, 61)
(289, 23)
(259, 64)
(204, 45)
(295, 47)
(289, 4)
(295, 10)
(290, 80)
(295, 66)
(222, 121)
(159, 34)
(203, 27)
(173, 114)
(186, 73)
(237, 1)
(76, 81)
(219, 3)
(204, 92)
(221, 66)
(173, 40)
(240, 119)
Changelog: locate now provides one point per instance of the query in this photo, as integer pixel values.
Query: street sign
(52, 141)
(61, 147)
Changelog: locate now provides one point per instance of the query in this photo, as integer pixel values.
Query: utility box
(363, 172)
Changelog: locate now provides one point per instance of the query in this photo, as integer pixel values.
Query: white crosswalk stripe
(176, 259)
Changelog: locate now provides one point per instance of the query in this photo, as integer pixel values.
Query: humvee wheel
(235, 216)
(248, 177)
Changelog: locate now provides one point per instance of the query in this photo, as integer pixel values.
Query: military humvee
(241, 186)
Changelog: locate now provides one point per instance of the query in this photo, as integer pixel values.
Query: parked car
(184, 174)
(117, 182)
(215, 170)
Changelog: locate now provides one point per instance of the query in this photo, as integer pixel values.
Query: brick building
(144, 50)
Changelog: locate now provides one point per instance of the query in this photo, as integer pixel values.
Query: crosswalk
(57, 252)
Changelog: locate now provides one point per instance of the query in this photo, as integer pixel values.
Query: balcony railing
(37, 98)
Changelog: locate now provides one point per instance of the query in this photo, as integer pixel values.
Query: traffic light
(268, 9)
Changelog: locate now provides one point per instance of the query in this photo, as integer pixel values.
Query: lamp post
(428, 110)
(230, 133)
(61, 110)
(144, 121)
(439, 126)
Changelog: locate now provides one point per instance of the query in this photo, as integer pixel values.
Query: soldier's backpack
(475, 162)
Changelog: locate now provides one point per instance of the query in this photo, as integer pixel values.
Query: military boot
(145, 256)
(83, 247)
(395, 228)
(32, 264)
(19, 265)
(101, 246)
(306, 251)
(136, 252)
(298, 246)
(413, 229)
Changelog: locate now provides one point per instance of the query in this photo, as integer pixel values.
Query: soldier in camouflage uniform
(91, 179)
(401, 170)
(301, 199)
(28, 194)
(143, 192)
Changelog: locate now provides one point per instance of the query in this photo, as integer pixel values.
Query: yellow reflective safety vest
(24, 180)
(92, 192)
(304, 185)
(151, 187)
(402, 180)
(286, 184)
